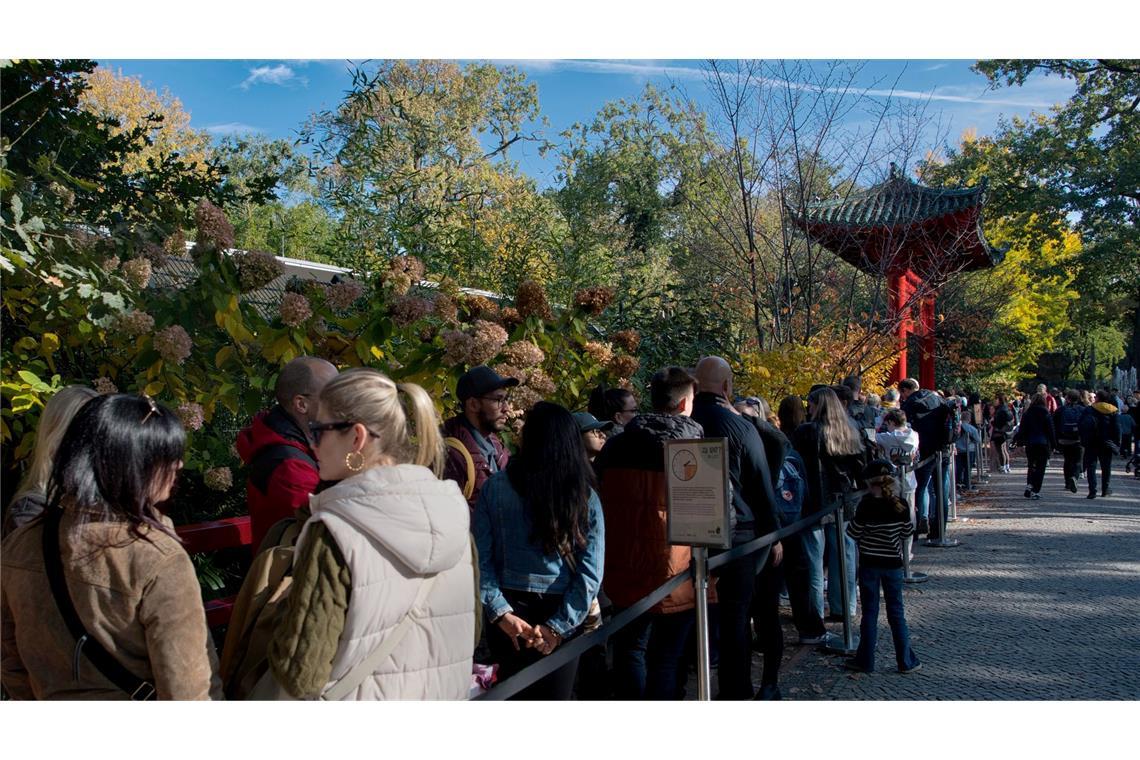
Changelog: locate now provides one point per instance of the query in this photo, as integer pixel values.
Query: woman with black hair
(538, 527)
(99, 599)
(616, 405)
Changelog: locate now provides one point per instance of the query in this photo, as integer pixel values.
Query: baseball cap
(481, 380)
(587, 422)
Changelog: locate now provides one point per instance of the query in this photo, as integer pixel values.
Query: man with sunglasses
(483, 399)
(278, 450)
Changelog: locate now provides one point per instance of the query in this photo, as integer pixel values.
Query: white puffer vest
(396, 527)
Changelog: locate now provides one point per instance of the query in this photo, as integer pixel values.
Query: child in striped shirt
(880, 527)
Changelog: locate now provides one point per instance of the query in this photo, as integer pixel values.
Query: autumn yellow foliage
(793, 368)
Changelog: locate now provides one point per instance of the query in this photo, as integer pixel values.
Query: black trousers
(1103, 456)
(534, 609)
(1073, 453)
(735, 584)
(766, 620)
(1038, 456)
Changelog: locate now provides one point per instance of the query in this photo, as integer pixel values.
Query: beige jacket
(139, 599)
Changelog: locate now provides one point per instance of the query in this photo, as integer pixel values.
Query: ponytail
(423, 425)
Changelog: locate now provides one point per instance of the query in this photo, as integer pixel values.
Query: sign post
(696, 476)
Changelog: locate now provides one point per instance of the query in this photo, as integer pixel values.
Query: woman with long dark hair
(1003, 423)
(1037, 434)
(834, 458)
(100, 600)
(538, 527)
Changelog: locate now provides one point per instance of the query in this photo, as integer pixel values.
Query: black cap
(481, 380)
(880, 468)
(587, 422)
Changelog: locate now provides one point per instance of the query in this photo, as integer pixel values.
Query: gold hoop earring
(348, 461)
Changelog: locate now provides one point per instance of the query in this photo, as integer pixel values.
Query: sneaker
(813, 640)
(1092, 495)
(1106, 492)
(1071, 485)
(1035, 495)
(1029, 493)
(923, 527)
(912, 669)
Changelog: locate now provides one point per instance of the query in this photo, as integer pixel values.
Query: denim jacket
(508, 559)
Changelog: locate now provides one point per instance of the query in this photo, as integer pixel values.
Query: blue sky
(274, 97)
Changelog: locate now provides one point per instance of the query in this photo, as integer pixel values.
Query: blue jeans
(813, 550)
(649, 656)
(834, 590)
(803, 572)
(924, 493)
(891, 580)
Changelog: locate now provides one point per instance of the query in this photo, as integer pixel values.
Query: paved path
(1040, 601)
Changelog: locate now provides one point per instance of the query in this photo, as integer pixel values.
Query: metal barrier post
(849, 645)
(909, 576)
(940, 500)
(701, 584)
(952, 512)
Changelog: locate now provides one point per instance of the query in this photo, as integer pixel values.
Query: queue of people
(402, 553)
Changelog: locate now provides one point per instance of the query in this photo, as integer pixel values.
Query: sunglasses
(317, 428)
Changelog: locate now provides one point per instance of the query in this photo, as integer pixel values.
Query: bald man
(283, 468)
(753, 512)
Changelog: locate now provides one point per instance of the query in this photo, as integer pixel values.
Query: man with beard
(483, 398)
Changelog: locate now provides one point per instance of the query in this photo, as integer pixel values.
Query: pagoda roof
(899, 224)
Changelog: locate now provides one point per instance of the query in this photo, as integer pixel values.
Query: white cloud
(232, 128)
(280, 75)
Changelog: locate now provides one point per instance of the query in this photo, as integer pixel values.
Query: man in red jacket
(283, 468)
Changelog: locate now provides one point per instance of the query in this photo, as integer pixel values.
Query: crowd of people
(402, 557)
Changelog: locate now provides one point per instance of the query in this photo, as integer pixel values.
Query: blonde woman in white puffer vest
(385, 557)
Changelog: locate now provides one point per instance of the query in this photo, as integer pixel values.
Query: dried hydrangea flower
(408, 309)
(624, 366)
(109, 264)
(629, 340)
(137, 272)
(218, 478)
(456, 347)
(509, 317)
(531, 301)
(600, 353)
(523, 353)
(540, 383)
(256, 269)
(191, 415)
(104, 386)
(445, 308)
(295, 309)
(173, 344)
(509, 370)
(214, 230)
(134, 323)
(524, 397)
(343, 294)
(489, 339)
(594, 300)
(480, 307)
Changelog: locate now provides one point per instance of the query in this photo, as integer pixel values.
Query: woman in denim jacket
(538, 527)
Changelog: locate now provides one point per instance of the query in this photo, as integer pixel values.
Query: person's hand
(548, 639)
(516, 628)
(777, 554)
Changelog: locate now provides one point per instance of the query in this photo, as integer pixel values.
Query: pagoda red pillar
(926, 368)
(898, 293)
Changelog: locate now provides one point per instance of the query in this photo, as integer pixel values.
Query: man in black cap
(474, 451)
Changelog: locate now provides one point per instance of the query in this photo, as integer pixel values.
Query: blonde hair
(838, 436)
(407, 429)
(57, 415)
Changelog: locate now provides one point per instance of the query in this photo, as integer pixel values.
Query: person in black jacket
(834, 458)
(753, 514)
(1067, 426)
(929, 416)
(1100, 435)
(1037, 434)
(1002, 428)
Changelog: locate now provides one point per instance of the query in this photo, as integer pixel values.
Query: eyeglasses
(500, 400)
(316, 428)
(153, 408)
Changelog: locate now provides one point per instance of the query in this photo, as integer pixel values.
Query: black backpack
(1070, 430)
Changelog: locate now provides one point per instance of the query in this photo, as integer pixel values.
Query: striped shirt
(879, 527)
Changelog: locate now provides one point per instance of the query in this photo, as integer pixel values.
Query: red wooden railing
(229, 533)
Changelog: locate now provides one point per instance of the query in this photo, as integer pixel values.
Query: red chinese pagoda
(915, 236)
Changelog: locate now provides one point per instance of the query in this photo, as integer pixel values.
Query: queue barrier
(576, 646)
